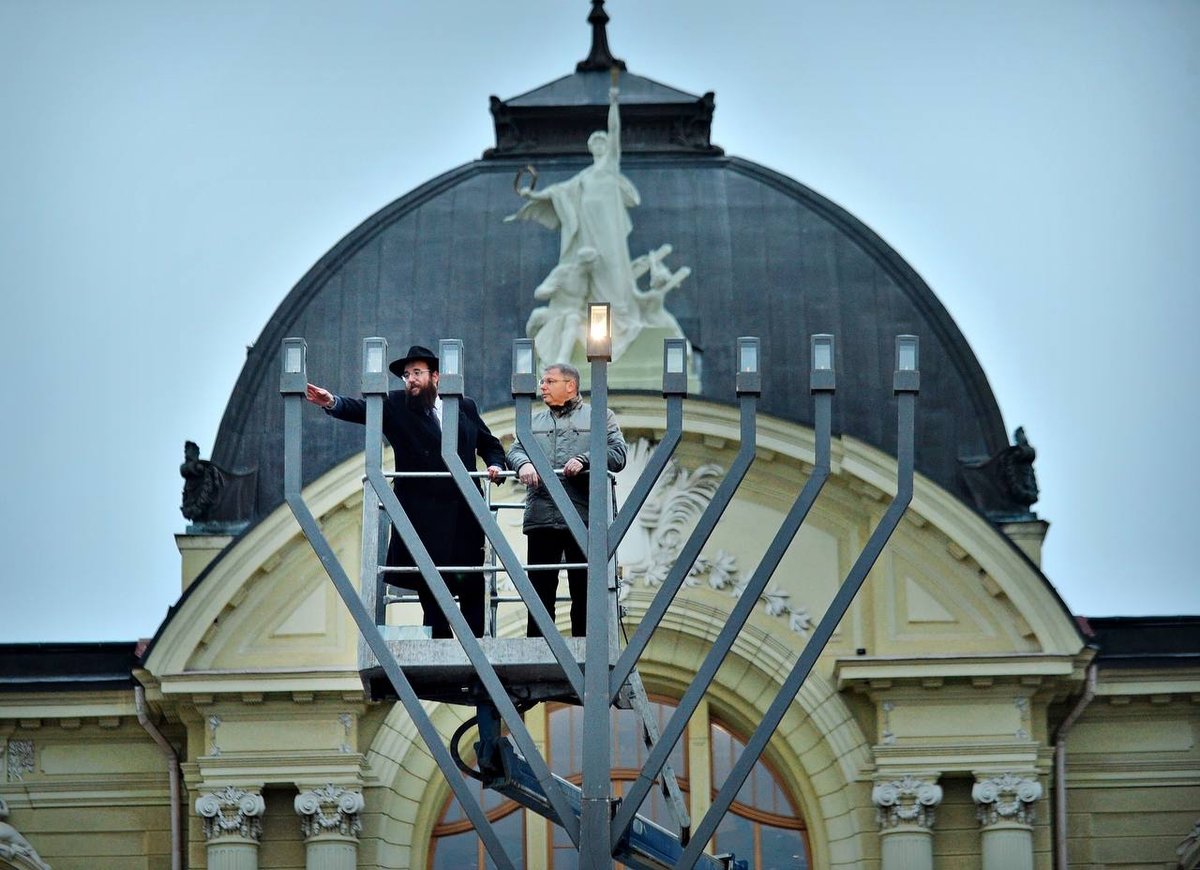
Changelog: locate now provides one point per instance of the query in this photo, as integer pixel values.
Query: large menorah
(599, 825)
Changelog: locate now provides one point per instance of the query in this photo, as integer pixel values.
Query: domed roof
(768, 257)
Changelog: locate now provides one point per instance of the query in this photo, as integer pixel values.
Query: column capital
(907, 801)
(330, 809)
(1006, 797)
(232, 812)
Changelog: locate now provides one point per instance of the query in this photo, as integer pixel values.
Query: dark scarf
(566, 407)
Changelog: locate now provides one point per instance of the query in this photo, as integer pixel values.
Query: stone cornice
(959, 756)
(339, 682)
(1149, 682)
(260, 767)
(867, 673)
(42, 705)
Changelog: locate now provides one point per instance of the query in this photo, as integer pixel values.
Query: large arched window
(763, 825)
(455, 844)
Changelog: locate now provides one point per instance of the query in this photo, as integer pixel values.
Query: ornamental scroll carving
(1006, 798)
(906, 801)
(330, 810)
(675, 504)
(232, 812)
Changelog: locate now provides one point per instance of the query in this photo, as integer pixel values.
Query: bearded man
(412, 424)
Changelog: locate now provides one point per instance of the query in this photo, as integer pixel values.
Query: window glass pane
(783, 849)
(736, 835)
(721, 753)
(454, 853)
(511, 831)
(762, 787)
(566, 859)
(462, 850)
(627, 739)
(560, 739)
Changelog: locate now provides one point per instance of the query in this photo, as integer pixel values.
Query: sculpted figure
(556, 328)
(591, 210)
(662, 282)
(202, 483)
(14, 845)
(1017, 461)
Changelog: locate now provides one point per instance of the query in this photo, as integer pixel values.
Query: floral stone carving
(232, 812)
(675, 504)
(1006, 798)
(330, 810)
(906, 801)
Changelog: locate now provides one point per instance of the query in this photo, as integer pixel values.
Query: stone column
(232, 827)
(1004, 805)
(905, 811)
(329, 820)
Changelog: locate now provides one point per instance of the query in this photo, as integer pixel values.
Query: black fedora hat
(415, 353)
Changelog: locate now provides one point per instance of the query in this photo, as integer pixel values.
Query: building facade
(959, 714)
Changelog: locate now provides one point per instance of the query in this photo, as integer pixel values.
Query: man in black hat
(412, 424)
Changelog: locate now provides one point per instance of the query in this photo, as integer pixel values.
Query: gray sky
(171, 170)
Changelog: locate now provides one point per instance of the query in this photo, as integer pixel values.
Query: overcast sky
(172, 169)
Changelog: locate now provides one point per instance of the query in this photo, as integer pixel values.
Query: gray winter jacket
(564, 433)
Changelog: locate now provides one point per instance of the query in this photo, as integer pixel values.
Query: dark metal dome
(769, 257)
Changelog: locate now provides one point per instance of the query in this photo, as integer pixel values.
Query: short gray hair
(568, 371)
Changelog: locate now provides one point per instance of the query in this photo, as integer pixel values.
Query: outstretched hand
(318, 396)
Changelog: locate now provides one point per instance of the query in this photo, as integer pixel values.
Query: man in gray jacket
(563, 430)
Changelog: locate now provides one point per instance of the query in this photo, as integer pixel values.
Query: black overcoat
(434, 505)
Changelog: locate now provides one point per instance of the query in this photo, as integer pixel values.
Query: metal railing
(491, 567)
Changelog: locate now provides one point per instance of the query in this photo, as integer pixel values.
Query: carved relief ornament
(906, 801)
(330, 810)
(232, 812)
(1007, 797)
(675, 504)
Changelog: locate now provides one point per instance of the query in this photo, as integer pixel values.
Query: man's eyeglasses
(415, 373)
(553, 380)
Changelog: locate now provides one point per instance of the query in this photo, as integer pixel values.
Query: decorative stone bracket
(1008, 797)
(330, 810)
(232, 812)
(906, 801)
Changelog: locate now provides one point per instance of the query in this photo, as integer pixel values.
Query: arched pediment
(948, 580)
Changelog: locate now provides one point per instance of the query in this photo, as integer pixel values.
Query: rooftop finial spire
(600, 58)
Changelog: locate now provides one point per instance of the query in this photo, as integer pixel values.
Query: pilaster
(232, 821)
(1005, 805)
(330, 822)
(905, 812)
